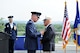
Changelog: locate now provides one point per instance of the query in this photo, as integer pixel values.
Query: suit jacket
(31, 36)
(48, 39)
(12, 32)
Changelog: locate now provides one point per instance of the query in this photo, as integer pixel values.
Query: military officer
(31, 33)
(11, 29)
(48, 39)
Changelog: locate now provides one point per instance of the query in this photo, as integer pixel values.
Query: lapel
(13, 26)
(9, 26)
(47, 27)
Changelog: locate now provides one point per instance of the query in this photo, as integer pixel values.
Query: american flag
(66, 28)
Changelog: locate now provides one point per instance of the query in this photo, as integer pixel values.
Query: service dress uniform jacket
(11, 31)
(48, 39)
(31, 36)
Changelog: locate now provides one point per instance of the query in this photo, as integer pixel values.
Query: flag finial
(77, 0)
(65, 2)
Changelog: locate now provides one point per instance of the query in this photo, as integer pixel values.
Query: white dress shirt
(11, 25)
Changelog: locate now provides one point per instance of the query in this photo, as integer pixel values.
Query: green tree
(1, 24)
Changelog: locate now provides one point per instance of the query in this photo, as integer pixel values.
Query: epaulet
(7, 23)
(30, 22)
(14, 23)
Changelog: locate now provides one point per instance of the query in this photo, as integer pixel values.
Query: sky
(21, 9)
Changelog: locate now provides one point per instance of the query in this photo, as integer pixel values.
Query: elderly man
(48, 40)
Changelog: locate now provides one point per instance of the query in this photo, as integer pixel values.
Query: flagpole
(76, 37)
(65, 50)
(65, 47)
(75, 30)
(76, 41)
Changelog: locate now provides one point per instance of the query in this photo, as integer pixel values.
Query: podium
(4, 42)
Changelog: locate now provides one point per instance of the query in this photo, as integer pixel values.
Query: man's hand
(14, 27)
(42, 32)
(16, 38)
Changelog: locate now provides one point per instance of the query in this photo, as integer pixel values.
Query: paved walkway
(69, 49)
(58, 51)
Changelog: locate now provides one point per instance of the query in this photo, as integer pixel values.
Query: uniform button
(10, 32)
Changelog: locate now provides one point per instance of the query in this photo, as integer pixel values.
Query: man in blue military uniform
(11, 29)
(31, 33)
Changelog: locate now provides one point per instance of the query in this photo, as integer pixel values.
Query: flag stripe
(64, 26)
(67, 30)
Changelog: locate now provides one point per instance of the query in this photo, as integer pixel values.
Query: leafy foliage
(21, 29)
(1, 25)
